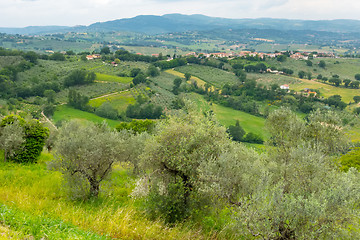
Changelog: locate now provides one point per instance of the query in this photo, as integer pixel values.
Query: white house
(285, 87)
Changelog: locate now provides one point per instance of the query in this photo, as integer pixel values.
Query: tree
(134, 72)
(11, 139)
(49, 110)
(357, 76)
(308, 63)
(281, 58)
(319, 77)
(139, 78)
(355, 84)
(31, 56)
(79, 77)
(301, 74)
(309, 75)
(347, 82)
(57, 57)
(187, 76)
(236, 131)
(50, 95)
(77, 100)
(85, 154)
(106, 110)
(181, 146)
(322, 64)
(105, 50)
(153, 71)
(356, 99)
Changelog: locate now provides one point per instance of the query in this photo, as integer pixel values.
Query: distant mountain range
(150, 24)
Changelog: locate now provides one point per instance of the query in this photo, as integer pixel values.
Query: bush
(35, 135)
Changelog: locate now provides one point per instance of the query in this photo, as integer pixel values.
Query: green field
(119, 100)
(111, 78)
(228, 116)
(64, 113)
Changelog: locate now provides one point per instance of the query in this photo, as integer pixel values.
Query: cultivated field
(64, 113)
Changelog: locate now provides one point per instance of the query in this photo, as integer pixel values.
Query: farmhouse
(285, 87)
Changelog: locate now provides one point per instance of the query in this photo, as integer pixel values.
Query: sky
(21, 13)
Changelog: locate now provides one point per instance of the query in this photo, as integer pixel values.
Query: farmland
(65, 113)
(118, 100)
(213, 76)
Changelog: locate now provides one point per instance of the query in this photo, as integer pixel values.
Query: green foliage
(356, 99)
(301, 74)
(236, 131)
(35, 135)
(106, 110)
(137, 126)
(253, 138)
(78, 101)
(49, 110)
(309, 63)
(140, 78)
(322, 64)
(57, 56)
(105, 50)
(357, 76)
(281, 58)
(153, 71)
(350, 160)
(171, 207)
(182, 145)
(86, 155)
(79, 77)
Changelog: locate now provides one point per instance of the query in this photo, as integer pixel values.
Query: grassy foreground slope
(33, 204)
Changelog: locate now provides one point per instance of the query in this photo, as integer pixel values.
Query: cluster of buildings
(296, 55)
(93, 56)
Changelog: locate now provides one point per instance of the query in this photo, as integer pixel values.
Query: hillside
(152, 24)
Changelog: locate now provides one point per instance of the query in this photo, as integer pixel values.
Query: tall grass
(33, 201)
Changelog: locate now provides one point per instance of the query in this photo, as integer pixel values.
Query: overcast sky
(21, 13)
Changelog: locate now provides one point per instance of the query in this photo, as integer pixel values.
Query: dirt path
(110, 94)
(48, 120)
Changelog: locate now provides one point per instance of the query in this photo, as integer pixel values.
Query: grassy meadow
(118, 100)
(110, 78)
(228, 116)
(64, 113)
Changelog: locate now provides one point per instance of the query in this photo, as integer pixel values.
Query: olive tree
(298, 193)
(174, 156)
(86, 154)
